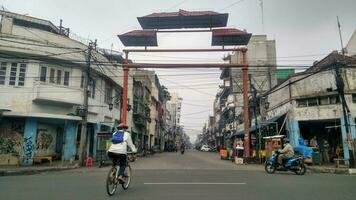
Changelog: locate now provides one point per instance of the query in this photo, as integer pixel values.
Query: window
(17, 74)
(118, 99)
(55, 75)
(13, 72)
(82, 82)
(108, 94)
(354, 98)
(59, 77)
(43, 74)
(334, 99)
(92, 84)
(66, 78)
(324, 101)
(51, 75)
(3, 68)
(302, 103)
(22, 74)
(313, 102)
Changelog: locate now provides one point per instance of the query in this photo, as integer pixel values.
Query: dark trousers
(121, 158)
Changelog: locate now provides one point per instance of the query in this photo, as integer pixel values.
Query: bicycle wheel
(127, 178)
(111, 182)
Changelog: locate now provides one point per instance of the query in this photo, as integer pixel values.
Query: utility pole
(345, 110)
(83, 134)
(339, 27)
(246, 105)
(254, 96)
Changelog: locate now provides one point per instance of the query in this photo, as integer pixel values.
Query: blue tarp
(303, 149)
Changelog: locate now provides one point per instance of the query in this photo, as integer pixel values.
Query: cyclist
(118, 151)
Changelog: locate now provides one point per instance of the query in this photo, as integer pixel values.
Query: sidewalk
(34, 169)
(330, 169)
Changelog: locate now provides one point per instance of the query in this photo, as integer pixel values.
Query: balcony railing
(45, 92)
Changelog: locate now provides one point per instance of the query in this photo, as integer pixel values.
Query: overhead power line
(40, 45)
(231, 5)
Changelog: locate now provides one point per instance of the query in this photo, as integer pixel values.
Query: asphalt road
(194, 175)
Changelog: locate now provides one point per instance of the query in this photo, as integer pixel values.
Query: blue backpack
(118, 137)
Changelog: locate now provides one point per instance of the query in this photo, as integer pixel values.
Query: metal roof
(183, 19)
(139, 38)
(31, 22)
(230, 36)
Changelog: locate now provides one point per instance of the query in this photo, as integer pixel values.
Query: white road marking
(194, 183)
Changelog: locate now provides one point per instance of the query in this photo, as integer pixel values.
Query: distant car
(205, 148)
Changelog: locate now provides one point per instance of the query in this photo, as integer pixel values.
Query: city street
(194, 175)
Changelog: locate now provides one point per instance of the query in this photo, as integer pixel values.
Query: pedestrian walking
(325, 151)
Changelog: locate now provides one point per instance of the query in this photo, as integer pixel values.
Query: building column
(345, 145)
(70, 131)
(97, 127)
(29, 141)
(293, 132)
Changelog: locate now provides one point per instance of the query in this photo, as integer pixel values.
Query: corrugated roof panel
(139, 38)
(231, 36)
(183, 19)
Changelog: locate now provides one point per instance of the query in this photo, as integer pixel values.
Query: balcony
(56, 94)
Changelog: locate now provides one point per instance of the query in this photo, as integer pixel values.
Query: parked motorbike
(294, 164)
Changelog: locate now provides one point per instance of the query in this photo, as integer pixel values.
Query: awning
(253, 128)
(230, 36)
(139, 38)
(183, 19)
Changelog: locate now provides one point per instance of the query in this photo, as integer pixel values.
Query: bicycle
(112, 181)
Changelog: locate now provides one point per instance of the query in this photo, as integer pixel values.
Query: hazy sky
(303, 28)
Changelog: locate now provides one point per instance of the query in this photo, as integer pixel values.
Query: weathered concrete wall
(314, 85)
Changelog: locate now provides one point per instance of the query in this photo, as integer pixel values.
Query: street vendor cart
(273, 143)
(103, 144)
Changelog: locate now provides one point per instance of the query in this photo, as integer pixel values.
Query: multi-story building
(228, 106)
(174, 106)
(351, 45)
(41, 86)
(309, 104)
(141, 108)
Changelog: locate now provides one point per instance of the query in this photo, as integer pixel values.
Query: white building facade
(41, 86)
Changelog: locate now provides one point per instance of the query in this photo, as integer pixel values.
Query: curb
(34, 171)
(332, 170)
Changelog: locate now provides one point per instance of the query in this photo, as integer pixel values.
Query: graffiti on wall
(28, 148)
(44, 141)
(8, 145)
(11, 137)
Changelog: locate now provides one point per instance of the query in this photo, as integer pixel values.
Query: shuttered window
(3, 68)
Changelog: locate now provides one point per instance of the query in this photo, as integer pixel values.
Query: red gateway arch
(186, 21)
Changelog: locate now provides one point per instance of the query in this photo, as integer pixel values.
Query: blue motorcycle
(294, 164)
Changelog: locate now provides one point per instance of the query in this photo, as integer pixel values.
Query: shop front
(324, 137)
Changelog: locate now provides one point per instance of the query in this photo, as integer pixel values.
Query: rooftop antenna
(339, 27)
(262, 16)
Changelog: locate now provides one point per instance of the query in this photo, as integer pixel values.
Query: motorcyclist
(118, 152)
(182, 148)
(287, 152)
